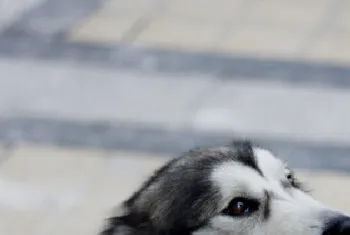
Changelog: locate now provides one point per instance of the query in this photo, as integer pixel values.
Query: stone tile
(332, 47)
(112, 22)
(329, 187)
(114, 181)
(36, 182)
(129, 5)
(47, 167)
(19, 222)
(105, 26)
(83, 220)
(342, 18)
(181, 35)
(48, 179)
(288, 14)
(92, 94)
(273, 110)
(127, 9)
(121, 174)
(220, 11)
(264, 41)
(3, 153)
(10, 11)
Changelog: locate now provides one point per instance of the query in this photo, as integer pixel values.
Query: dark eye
(293, 182)
(290, 178)
(241, 207)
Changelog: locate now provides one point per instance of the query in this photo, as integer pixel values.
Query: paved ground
(308, 29)
(11, 10)
(91, 89)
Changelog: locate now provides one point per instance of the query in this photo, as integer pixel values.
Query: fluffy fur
(190, 194)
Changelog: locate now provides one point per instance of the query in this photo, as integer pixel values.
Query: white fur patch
(292, 211)
(236, 180)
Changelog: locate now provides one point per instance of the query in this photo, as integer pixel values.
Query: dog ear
(112, 226)
(127, 224)
(125, 221)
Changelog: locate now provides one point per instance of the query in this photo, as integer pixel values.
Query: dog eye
(290, 178)
(241, 207)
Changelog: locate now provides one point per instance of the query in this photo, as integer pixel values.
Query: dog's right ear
(114, 225)
(126, 223)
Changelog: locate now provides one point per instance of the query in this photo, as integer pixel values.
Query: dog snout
(339, 225)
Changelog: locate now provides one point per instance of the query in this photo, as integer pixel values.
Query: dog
(237, 189)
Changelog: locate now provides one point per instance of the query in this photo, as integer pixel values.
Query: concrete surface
(261, 28)
(66, 91)
(12, 10)
(40, 186)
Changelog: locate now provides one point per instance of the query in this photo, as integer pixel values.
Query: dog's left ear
(112, 226)
(130, 223)
(125, 221)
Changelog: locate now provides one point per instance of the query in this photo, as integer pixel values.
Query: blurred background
(96, 94)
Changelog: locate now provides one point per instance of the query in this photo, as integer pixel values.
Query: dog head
(238, 189)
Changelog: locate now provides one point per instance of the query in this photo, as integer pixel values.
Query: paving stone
(121, 174)
(119, 13)
(49, 166)
(332, 47)
(272, 110)
(69, 92)
(45, 178)
(283, 13)
(36, 182)
(103, 29)
(3, 153)
(114, 181)
(19, 222)
(83, 220)
(204, 11)
(118, 6)
(342, 19)
(329, 187)
(264, 40)
(12, 10)
(182, 35)
(113, 21)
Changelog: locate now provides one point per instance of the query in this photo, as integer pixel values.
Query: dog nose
(339, 225)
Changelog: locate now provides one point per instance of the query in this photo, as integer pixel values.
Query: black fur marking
(245, 155)
(179, 215)
(146, 184)
(267, 206)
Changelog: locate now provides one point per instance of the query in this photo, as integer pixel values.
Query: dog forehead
(237, 180)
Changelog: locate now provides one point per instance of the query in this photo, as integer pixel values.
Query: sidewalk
(51, 190)
(47, 190)
(307, 30)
